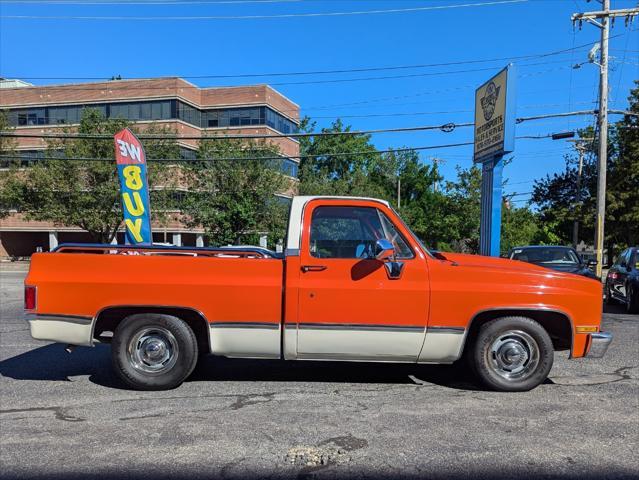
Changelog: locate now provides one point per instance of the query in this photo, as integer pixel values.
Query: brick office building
(174, 102)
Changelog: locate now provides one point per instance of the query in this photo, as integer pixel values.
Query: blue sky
(149, 48)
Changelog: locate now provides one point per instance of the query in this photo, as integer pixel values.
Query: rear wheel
(512, 354)
(632, 299)
(153, 351)
(609, 299)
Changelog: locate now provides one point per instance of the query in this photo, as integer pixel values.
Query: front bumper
(599, 343)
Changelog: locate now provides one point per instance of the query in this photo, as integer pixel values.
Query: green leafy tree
(338, 164)
(84, 193)
(462, 211)
(555, 195)
(8, 193)
(234, 200)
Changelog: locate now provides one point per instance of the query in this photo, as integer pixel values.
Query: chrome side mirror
(384, 249)
(385, 252)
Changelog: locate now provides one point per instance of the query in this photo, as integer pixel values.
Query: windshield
(554, 256)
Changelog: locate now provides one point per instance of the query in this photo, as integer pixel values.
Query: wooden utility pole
(601, 19)
(581, 149)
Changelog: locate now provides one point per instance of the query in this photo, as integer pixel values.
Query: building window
(156, 110)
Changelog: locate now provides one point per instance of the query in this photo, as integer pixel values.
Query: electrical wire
(334, 71)
(259, 17)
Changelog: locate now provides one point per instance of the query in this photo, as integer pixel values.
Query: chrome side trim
(266, 325)
(55, 317)
(345, 357)
(453, 330)
(599, 343)
(357, 326)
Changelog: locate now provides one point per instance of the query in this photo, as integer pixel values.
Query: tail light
(29, 297)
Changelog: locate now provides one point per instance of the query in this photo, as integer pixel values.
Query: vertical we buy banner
(134, 187)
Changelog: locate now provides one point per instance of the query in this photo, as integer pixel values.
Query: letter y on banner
(134, 187)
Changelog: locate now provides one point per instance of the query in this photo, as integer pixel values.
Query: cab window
(351, 232)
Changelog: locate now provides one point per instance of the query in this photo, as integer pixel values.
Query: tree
(7, 150)
(234, 200)
(84, 193)
(622, 213)
(555, 195)
(338, 164)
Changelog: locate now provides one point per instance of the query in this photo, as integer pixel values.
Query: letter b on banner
(134, 187)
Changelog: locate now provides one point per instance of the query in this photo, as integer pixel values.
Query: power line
(334, 71)
(448, 127)
(258, 17)
(150, 2)
(124, 87)
(277, 157)
(196, 160)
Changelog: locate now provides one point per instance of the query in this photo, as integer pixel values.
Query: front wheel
(153, 351)
(512, 354)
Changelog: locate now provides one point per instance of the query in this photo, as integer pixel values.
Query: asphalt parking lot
(66, 416)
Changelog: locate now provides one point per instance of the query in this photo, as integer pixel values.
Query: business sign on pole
(495, 116)
(134, 187)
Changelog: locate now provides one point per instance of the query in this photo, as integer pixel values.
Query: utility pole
(581, 149)
(601, 19)
(436, 161)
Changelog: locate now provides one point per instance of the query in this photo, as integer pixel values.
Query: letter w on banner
(134, 187)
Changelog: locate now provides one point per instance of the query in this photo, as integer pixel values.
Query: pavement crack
(251, 399)
(58, 412)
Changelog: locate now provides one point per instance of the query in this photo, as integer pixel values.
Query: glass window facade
(156, 110)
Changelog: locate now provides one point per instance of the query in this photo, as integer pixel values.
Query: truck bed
(229, 287)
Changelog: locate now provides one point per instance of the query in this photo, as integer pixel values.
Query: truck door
(349, 308)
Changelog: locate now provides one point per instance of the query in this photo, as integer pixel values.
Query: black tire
(609, 299)
(632, 302)
(151, 351)
(512, 354)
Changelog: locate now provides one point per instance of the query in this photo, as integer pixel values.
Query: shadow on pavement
(52, 363)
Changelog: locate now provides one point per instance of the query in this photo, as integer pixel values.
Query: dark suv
(622, 281)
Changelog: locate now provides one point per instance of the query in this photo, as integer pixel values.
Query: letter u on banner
(134, 188)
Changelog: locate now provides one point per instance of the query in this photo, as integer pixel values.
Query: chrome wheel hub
(153, 350)
(513, 355)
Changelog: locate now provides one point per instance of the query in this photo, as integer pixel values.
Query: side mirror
(384, 249)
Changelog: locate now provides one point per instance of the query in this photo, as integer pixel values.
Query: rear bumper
(73, 330)
(599, 343)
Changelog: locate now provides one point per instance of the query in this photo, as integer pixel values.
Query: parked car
(562, 259)
(354, 284)
(622, 281)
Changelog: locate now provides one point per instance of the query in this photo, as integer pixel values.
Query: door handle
(313, 268)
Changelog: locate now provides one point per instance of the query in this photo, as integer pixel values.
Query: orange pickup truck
(354, 284)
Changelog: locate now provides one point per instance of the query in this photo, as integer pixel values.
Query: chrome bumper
(599, 343)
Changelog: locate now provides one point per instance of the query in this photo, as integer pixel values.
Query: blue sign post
(494, 137)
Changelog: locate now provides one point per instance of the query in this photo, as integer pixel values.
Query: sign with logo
(495, 116)
(134, 187)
